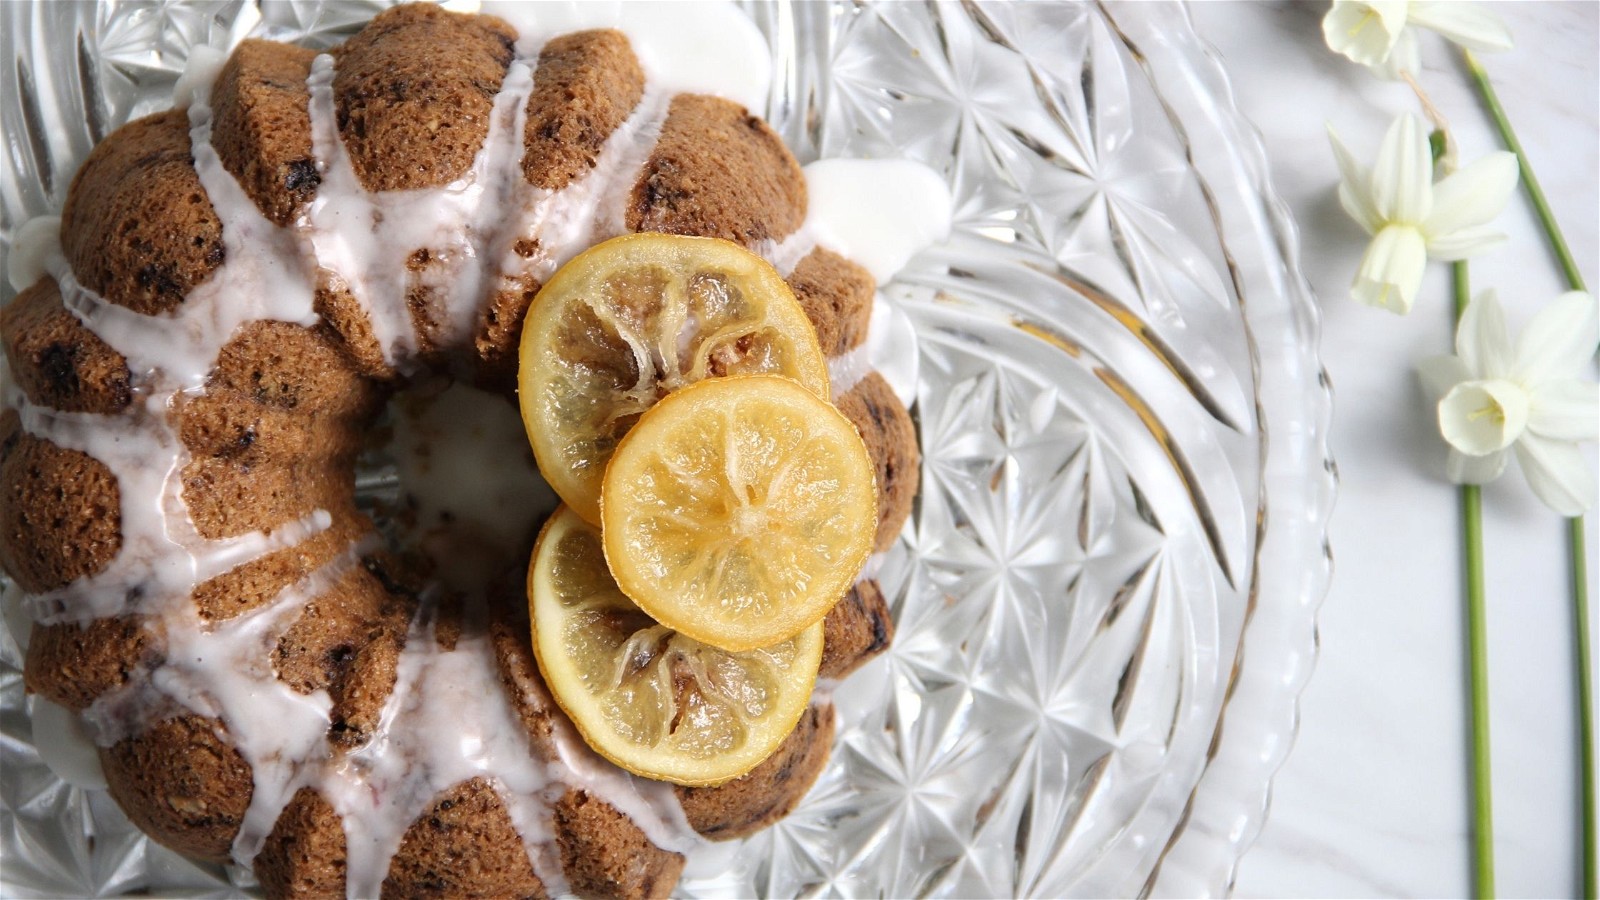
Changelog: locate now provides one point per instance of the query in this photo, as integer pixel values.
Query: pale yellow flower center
(1491, 410)
(1363, 22)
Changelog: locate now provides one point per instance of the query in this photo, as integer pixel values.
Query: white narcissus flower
(1412, 219)
(1495, 398)
(1377, 33)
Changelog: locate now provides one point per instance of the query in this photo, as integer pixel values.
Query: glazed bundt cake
(240, 286)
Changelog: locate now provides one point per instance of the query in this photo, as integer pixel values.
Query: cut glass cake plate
(1105, 600)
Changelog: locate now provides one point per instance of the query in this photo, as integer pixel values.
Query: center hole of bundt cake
(451, 480)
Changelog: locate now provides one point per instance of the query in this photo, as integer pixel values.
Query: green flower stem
(1477, 656)
(1576, 545)
(1531, 184)
(1580, 621)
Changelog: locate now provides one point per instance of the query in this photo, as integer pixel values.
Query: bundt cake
(240, 285)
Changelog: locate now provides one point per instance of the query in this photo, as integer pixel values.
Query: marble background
(1374, 799)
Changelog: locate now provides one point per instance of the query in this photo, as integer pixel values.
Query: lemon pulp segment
(739, 510)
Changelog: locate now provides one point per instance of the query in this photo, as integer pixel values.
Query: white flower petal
(1559, 339)
(1363, 32)
(1391, 269)
(1465, 243)
(1358, 207)
(1441, 373)
(1478, 417)
(1481, 339)
(1402, 178)
(1403, 57)
(1471, 25)
(1567, 410)
(1558, 474)
(1464, 469)
(1472, 195)
(1354, 184)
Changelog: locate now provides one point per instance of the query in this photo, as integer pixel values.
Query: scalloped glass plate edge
(1256, 732)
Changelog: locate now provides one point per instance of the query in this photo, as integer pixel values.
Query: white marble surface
(1374, 798)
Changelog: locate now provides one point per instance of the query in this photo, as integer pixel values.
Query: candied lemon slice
(739, 510)
(653, 701)
(634, 318)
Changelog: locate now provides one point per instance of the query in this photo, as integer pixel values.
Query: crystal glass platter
(1106, 599)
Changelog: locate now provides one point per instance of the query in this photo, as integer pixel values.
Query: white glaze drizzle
(31, 248)
(446, 721)
(65, 745)
(590, 209)
(162, 556)
(437, 729)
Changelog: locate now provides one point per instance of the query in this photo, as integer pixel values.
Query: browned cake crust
(605, 855)
(318, 651)
(837, 297)
(304, 855)
(271, 437)
(262, 125)
(257, 582)
(137, 227)
(586, 84)
(513, 651)
(182, 785)
(73, 665)
(856, 630)
(55, 360)
(891, 439)
(363, 686)
(61, 515)
(768, 792)
(342, 316)
(499, 334)
(413, 91)
(718, 171)
(465, 846)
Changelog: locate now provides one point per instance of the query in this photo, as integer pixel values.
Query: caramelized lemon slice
(655, 702)
(739, 510)
(634, 318)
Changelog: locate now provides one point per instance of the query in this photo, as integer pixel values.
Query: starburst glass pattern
(1125, 480)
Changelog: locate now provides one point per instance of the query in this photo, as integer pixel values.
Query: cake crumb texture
(857, 629)
(61, 518)
(262, 126)
(181, 784)
(837, 297)
(891, 440)
(56, 360)
(464, 846)
(304, 855)
(718, 171)
(73, 665)
(413, 91)
(605, 855)
(138, 227)
(585, 86)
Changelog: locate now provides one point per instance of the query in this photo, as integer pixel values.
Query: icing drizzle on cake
(447, 719)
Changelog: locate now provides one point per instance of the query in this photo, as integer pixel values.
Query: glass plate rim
(1257, 727)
